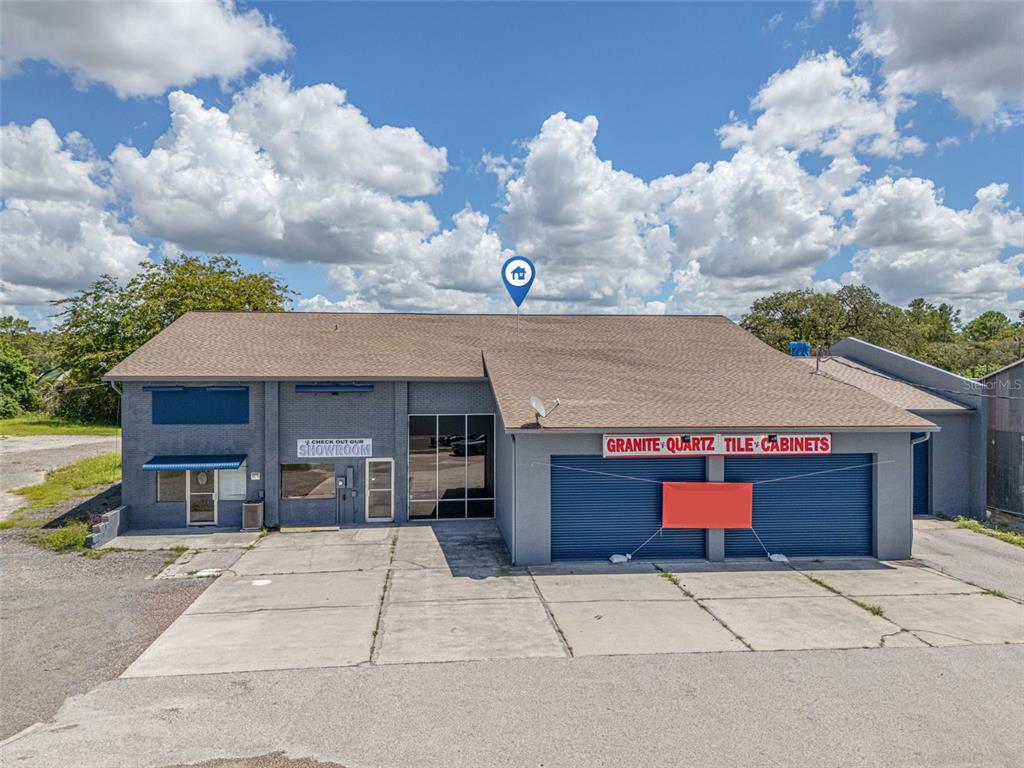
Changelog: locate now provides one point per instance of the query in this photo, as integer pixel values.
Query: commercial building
(949, 466)
(562, 428)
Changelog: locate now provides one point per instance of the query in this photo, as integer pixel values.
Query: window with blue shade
(200, 405)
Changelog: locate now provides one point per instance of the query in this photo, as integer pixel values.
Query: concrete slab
(800, 623)
(419, 555)
(466, 631)
(606, 587)
(259, 640)
(973, 557)
(415, 586)
(312, 559)
(749, 584)
(641, 627)
(593, 567)
(184, 537)
(209, 562)
(237, 594)
(956, 619)
(328, 538)
(896, 579)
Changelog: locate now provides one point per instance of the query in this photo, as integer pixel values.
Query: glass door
(202, 497)
(380, 490)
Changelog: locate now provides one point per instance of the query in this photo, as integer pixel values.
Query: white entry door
(380, 490)
(202, 496)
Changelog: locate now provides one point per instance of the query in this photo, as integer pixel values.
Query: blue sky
(481, 79)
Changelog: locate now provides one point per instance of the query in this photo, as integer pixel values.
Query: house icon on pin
(519, 273)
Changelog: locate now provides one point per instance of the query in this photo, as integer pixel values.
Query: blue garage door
(825, 514)
(921, 478)
(600, 507)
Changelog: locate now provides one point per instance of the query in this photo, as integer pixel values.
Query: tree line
(60, 370)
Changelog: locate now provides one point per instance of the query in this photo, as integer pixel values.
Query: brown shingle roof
(900, 393)
(609, 371)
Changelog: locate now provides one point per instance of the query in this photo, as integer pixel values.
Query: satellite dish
(538, 406)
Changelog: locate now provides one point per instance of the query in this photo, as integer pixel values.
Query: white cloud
(58, 234)
(820, 105)
(970, 52)
(140, 48)
(914, 245)
(591, 226)
(297, 175)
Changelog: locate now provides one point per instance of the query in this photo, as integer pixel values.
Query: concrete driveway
(379, 596)
(26, 460)
(973, 557)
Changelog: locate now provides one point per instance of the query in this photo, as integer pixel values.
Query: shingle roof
(608, 371)
(893, 390)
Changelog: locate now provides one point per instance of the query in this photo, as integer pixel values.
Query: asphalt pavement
(935, 707)
(972, 557)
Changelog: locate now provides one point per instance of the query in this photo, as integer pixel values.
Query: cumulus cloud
(969, 52)
(297, 175)
(820, 105)
(591, 225)
(140, 48)
(914, 245)
(58, 233)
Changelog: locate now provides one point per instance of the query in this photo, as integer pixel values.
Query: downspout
(924, 439)
(515, 486)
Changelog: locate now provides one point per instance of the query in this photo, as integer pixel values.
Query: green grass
(41, 424)
(74, 480)
(1017, 539)
(68, 538)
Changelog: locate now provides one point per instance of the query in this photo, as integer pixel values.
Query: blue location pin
(518, 273)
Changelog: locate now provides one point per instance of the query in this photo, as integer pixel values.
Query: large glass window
(231, 484)
(170, 486)
(451, 466)
(307, 481)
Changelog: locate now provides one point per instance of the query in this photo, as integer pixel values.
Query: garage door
(600, 507)
(826, 514)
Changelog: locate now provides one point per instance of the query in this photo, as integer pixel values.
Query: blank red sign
(707, 505)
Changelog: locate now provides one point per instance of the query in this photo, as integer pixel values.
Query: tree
(17, 381)
(987, 326)
(104, 323)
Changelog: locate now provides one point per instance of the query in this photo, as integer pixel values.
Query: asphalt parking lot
(419, 594)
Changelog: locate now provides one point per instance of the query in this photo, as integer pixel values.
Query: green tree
(17, 381)
(106, 322)
(987, 326)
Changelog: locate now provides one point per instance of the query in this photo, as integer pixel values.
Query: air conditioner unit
(252, 515)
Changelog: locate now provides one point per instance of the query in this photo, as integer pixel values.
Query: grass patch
(73, 480)
(41, 424)
(995, 593)
(874, 610)
(823, 585)
(68, 538)
(20, 521)
(1009, 537)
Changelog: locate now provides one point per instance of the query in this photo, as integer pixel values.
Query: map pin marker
(518, 273)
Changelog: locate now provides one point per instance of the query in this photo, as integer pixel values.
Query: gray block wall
(142, 440)
(949, 471)
(279, 416)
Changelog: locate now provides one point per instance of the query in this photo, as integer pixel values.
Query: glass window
(231, 484)
(170, 486)
(451, 458)
(307, 481)
(451, 466)
(423, 457)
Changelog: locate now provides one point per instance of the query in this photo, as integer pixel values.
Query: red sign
(707, 505)
(654, 446)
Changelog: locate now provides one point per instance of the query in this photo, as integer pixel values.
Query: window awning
(178, 463)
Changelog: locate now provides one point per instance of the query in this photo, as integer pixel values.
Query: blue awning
(178, 463)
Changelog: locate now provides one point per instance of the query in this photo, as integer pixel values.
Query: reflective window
(451, 466)
(170, 486)
(307, 481)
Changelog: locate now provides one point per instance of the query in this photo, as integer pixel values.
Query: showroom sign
(654, 446)
(335, 448)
